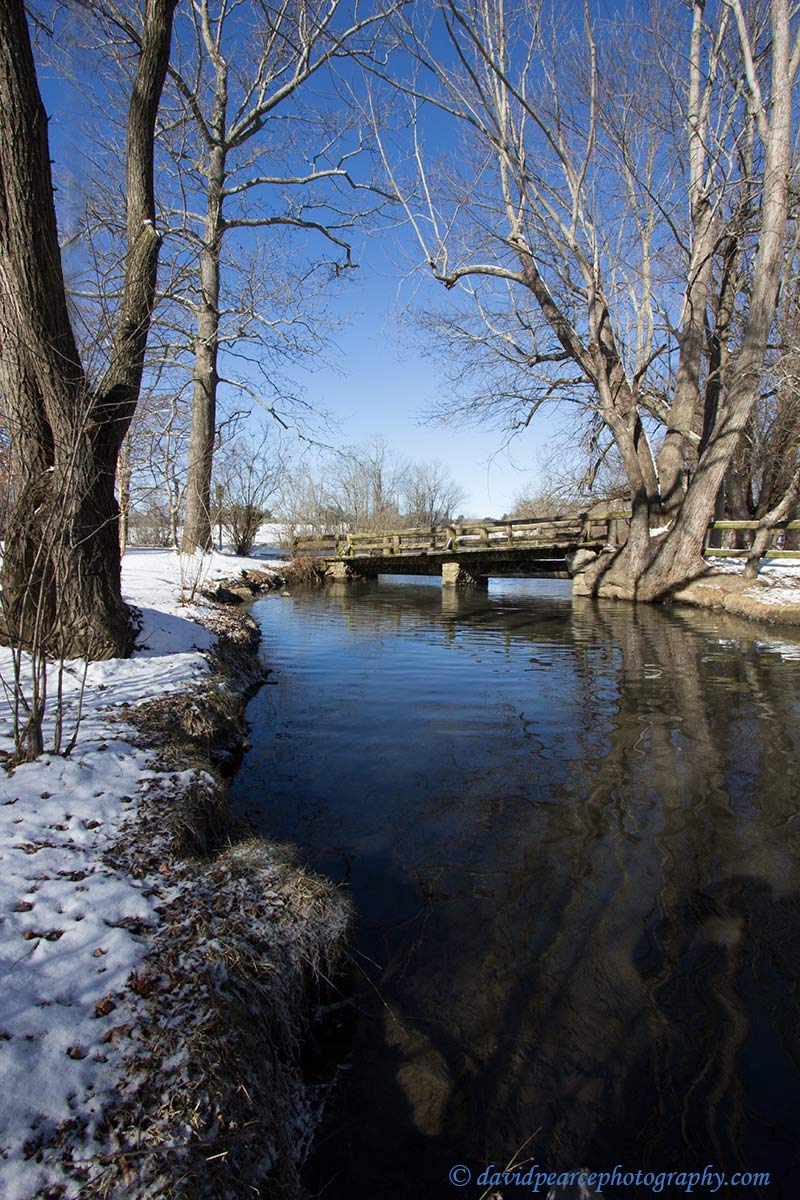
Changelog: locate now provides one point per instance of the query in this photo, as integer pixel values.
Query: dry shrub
(202, 822)
(304, 572)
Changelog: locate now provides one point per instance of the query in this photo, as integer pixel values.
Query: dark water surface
(572, 835)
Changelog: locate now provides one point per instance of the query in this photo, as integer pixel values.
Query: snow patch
(72, 927)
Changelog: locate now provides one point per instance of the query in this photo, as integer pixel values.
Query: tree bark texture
(61, 570)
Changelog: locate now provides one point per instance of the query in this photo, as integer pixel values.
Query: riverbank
(773, 597)
(157, 968)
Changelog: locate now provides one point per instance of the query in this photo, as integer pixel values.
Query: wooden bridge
(469, 554)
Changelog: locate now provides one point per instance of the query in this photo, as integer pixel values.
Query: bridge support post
(577, 563)
(456, 575)
(345, 572)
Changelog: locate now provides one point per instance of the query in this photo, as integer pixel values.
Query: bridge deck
(488, 544)
(510, 564)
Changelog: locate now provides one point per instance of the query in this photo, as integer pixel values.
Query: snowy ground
(778, 578)
(72, 928)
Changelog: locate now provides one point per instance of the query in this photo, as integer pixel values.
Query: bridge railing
(587, 529)
(580, 529)
(776, 551)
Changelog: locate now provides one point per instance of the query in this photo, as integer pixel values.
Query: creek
(571, 831)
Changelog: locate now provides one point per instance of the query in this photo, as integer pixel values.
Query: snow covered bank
(774, 597)
(151, 1003)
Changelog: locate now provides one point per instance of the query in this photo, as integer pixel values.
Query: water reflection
(570, 831)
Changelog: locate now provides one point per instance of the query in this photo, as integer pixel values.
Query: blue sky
(379, 382)
(382, 382)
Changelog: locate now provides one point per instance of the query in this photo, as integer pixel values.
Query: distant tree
(357, 488)
(149, 525)
(430, 495)
(371, 488)
(576, 474)
(248, 475)
(151, 474)
(532, 504)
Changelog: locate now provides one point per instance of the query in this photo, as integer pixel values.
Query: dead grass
(214, 1104)
(205, 724)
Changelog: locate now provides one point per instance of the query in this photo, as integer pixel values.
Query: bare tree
(575, 474)
(266, 162)
(248, 474)
(611, 187)
(370, 487)
(152, 470)
(356, 488)
(62, 424)
(258, 160)
(430, 494)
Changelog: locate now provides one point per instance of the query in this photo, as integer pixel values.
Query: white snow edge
(72, 926)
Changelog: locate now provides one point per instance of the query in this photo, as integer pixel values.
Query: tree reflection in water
(581, 920)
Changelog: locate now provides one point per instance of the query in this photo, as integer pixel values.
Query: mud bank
(213, 1103)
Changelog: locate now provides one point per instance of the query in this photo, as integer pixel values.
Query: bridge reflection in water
(570, 830)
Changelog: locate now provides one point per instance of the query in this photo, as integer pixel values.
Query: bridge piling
(345, 571)
(456, 575)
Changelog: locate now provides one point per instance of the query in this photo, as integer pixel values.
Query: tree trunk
(61, 571)
(671, 561)
(197, 527)
(124, 492)
(715, 538)
(781, 512)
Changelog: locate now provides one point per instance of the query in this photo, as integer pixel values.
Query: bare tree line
(263, 179)
(370, 488)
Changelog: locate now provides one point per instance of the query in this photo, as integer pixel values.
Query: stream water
(571, 831)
